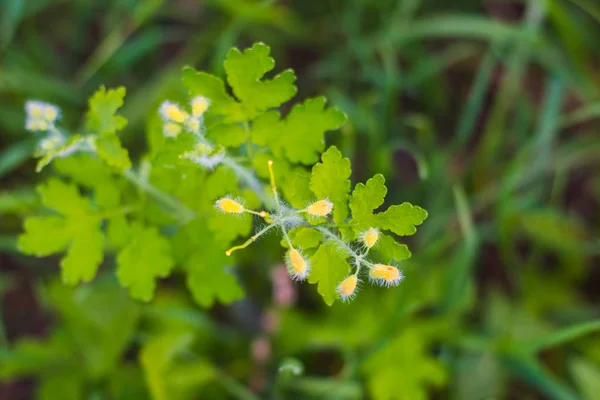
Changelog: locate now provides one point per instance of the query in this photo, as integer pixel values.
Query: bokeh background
(485, 113)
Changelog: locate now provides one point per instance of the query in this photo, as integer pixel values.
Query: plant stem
(247, 177)
(339, 241)
(185, 213)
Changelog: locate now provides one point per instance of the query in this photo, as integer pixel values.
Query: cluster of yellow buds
(40, 116)
(176, 119)
(297, 263)
(382, 274)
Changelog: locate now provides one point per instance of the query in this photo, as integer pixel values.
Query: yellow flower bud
(199, 106)
(386, 274)
(230, 206)
(172, 112)
(347, 287)
(370, 237)
(194, 125)
(171, 129)
(33, 125)
(50, 113)
(36, 111)
(320, 208)
(297, 264)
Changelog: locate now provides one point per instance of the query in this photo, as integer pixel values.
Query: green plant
(205, 163)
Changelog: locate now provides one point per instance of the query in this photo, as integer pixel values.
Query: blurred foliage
(483, 112)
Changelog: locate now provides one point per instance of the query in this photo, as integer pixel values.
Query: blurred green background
(485, 113)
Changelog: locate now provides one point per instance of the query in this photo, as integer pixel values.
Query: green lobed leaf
(245, 71)
(228, 135)
(209, 283)
(329, 179)
(145, 258)
(402, 219)
(77, 230)
(102, 117)
(85, 254)
(365, 199)
(84, 169)
(213, 88)
(64, 198)
(110, 150)
(390, 250)
(206, 264)
(44, 236)
(328, 269)
(300, 137)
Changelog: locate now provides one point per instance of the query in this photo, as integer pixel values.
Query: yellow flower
(199, 106)
(230, 206)
(320, 208)
(386, 274)
(347, 287)
(297, 264)
(370, 237)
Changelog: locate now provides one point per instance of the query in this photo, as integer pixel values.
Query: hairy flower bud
(230, 206)
(386, 274)
(370, 237)
(347, 287)
(199, 106)
(320, 208)
(297, 264)
(171, 112)
(171, 129)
